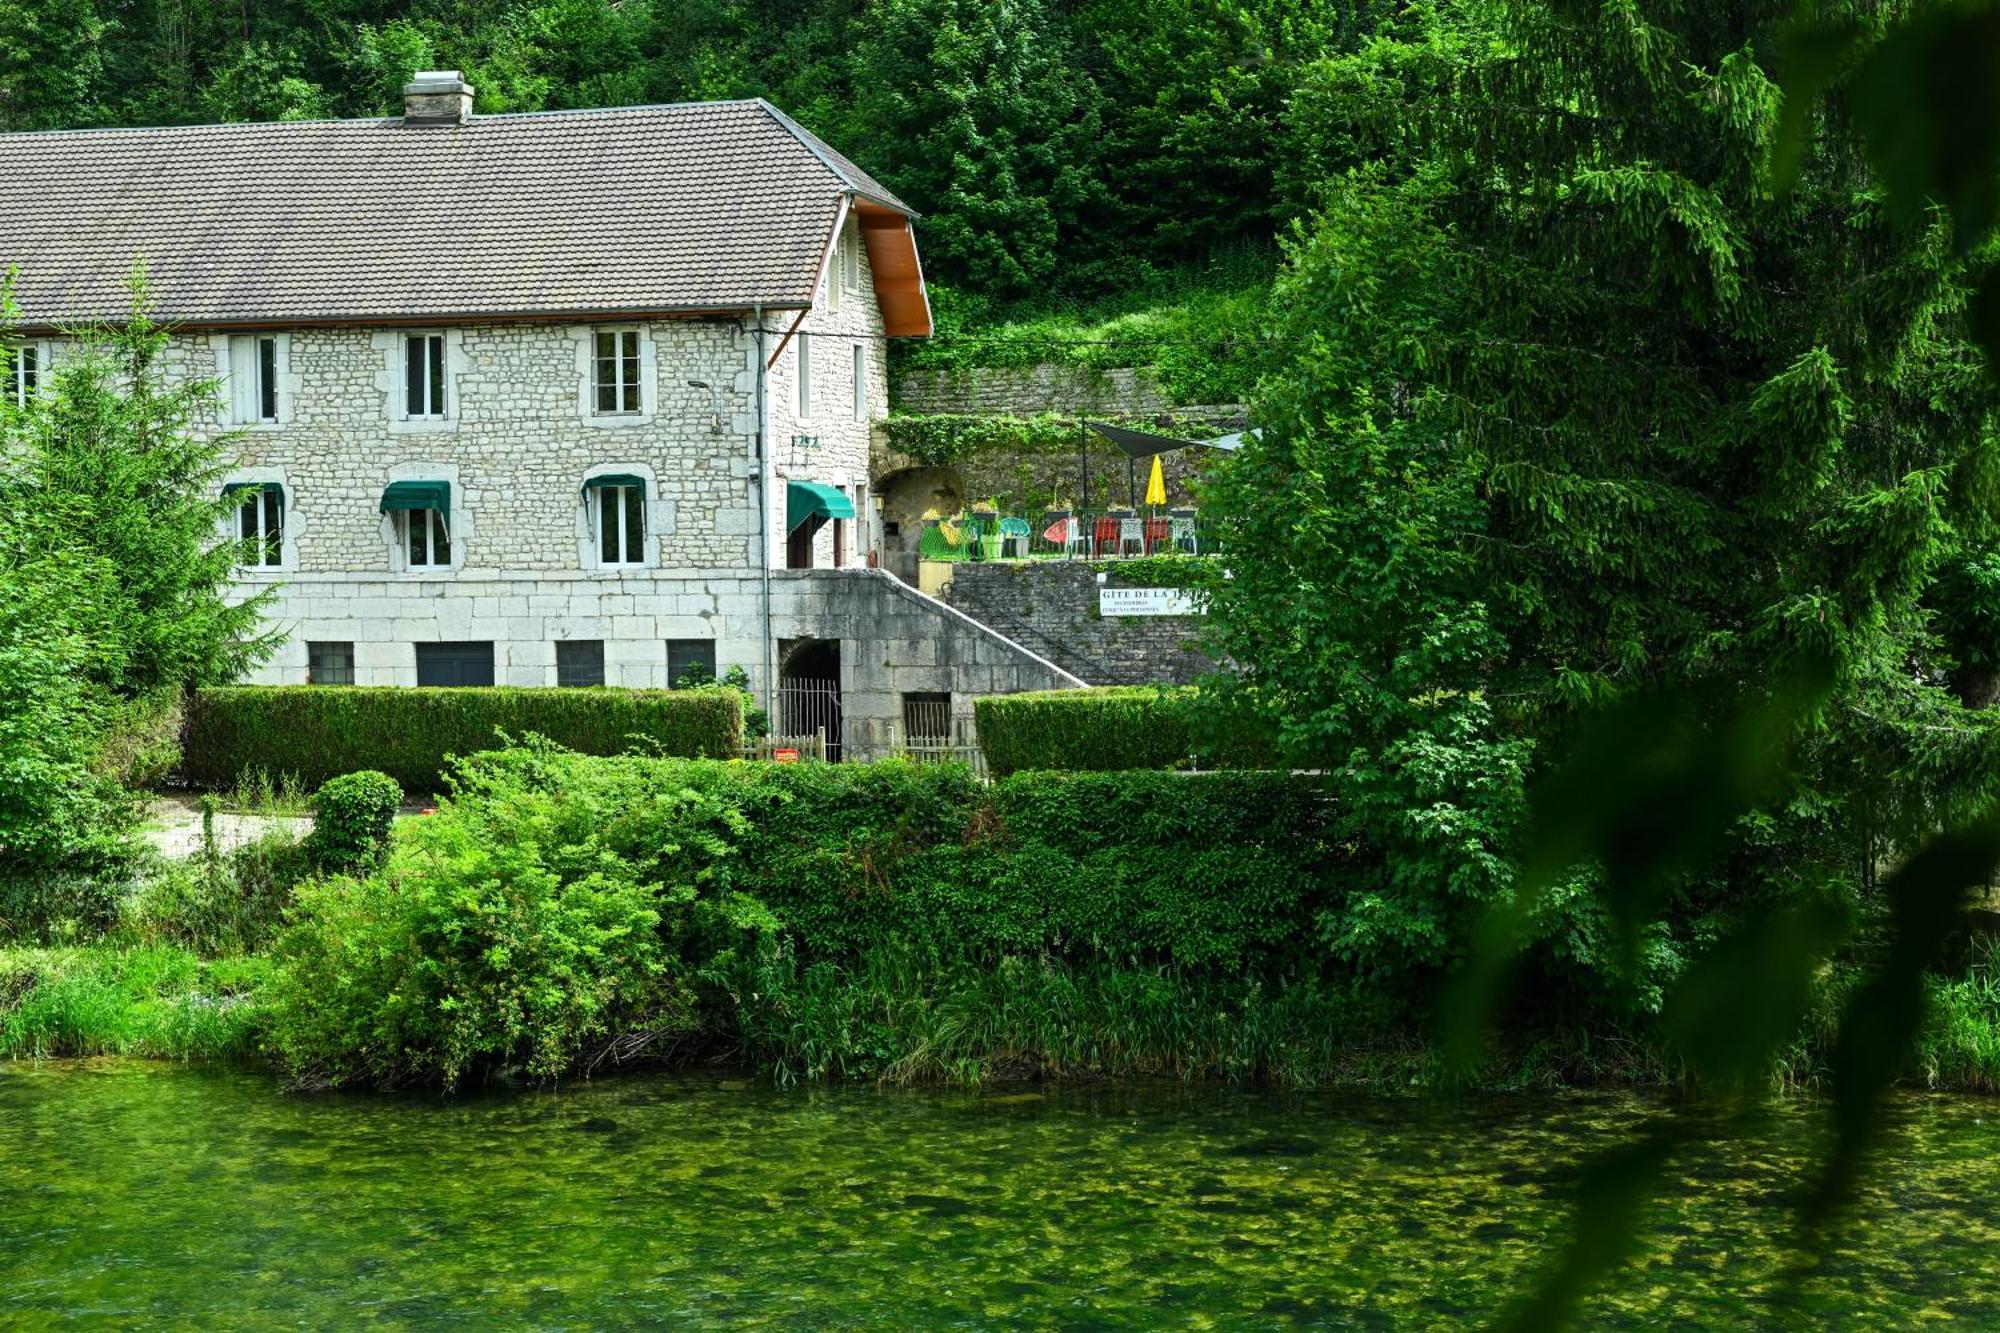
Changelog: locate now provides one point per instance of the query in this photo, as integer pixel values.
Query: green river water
(135, 1194)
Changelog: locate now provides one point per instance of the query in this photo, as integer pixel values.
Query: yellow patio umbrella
(1156, 485)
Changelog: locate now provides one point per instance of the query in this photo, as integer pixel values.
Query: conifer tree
(1567, 401)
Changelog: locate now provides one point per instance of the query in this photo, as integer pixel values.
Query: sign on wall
(1147, 602)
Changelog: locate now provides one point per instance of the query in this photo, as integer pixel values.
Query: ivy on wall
(939, 439)
(1163, 571)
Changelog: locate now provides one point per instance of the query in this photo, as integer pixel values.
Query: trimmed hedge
(317, 732)
(1222, 871)
(1110, 728)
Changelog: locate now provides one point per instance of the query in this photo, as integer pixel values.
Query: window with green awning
(807, 500)
(403, 496)
(242, 490)
(615, 479)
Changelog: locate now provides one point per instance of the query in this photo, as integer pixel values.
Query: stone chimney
(437, 97)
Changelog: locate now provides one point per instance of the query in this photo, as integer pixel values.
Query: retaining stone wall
(1051, 607)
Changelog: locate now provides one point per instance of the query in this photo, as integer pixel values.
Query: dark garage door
(454, 664)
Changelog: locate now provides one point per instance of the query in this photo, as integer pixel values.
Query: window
(834, 269)
(454, 663)
(260, 525)
(617, 362)
(850, 268)
(860, 382)
(426, 539)
(690, 662)
(253, 379)
(618, 511)
(24, 368)
(926, 718)
(579, 662)
(424, 376)
(329, 664)
(805, 376)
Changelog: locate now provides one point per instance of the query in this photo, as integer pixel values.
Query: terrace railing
(1104, 534)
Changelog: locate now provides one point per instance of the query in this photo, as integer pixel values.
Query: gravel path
(173, 825)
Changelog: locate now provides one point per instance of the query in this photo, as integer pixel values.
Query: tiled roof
(701, 206)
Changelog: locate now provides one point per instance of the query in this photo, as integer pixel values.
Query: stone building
(564, 398)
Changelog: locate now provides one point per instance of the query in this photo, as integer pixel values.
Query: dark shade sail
(806, 500)
(1145, 444)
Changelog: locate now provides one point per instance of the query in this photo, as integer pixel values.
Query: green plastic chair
(1014, 533)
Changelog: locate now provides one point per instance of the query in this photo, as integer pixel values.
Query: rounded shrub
(352, 817)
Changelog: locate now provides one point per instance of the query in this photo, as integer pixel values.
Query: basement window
(329, 664)
(579, 663)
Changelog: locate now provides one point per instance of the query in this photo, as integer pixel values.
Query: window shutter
(243, 379)
(805, 375)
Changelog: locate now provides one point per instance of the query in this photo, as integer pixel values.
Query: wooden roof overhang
(899, 274)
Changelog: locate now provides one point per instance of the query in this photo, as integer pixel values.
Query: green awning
(616, 479)
(243, 487)
(811, 499)
(419, 495)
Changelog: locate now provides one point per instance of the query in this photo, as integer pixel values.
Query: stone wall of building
(521, 435)
(831, 442)
(1051, 607)
(892, 639)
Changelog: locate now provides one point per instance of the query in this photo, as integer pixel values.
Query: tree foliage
(113, 574)
(1050, 146)
(1570, 403)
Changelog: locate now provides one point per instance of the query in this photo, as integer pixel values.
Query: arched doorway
(809, 691)
(906, 497)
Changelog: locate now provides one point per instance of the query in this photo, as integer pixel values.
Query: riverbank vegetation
(562, 915)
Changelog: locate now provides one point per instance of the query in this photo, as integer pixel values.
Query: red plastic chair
(1107, 536)
(1157, 535)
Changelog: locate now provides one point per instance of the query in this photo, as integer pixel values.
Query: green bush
(500, 936)
(218, 905)
(316, 732)
(1114, 727)
(559, 908)
(57, 907)
(352, 815)
(1223, 870)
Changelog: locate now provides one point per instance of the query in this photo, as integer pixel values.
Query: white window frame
(835, 266)
(257, 382)
(850, 257)
(804, 375)
(635, 552)
(435, 364)
(861, 381)
(619, 384)
(406, 538)
(24, 373)
(273, 551)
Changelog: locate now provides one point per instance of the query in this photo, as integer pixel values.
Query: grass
(1960, 1046)
(897, 1018)
(257, 793)
(144, 1000)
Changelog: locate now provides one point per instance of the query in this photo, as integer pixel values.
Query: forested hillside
(1056, 150)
